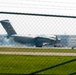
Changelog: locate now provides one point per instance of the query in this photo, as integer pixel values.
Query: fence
(18, 53)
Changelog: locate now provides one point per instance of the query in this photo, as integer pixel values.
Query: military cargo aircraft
(38, 41)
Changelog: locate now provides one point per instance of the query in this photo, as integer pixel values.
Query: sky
(38, 25)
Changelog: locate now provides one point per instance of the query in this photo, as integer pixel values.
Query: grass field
(19, 64)
(24, 64)
(37, 50)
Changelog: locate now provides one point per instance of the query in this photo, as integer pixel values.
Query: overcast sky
(37, 25)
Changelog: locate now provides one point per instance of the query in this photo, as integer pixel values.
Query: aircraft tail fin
(8, 27)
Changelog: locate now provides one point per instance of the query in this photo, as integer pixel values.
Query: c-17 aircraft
(38, 41)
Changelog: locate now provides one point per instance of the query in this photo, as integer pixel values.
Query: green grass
(18, 64)
(37, 50)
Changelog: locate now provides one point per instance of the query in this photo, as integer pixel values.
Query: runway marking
(40, 53)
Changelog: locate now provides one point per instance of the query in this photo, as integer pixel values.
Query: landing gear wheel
(38, 43)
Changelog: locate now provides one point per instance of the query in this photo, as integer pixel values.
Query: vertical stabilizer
(8, 27)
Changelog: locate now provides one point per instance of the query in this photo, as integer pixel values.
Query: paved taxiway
(40, 53)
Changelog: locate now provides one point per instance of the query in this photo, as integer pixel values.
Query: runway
(40, 53)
